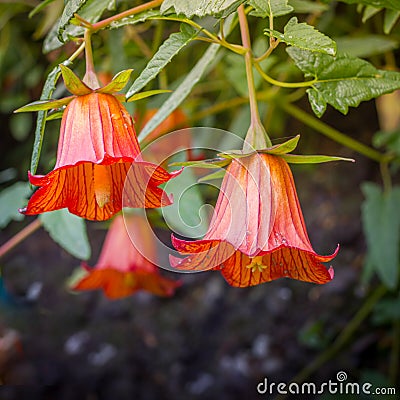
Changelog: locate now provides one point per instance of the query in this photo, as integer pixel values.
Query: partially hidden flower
(98, 159)
(257, 232)
(123, 267)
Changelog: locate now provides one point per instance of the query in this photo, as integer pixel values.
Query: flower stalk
(257, 137)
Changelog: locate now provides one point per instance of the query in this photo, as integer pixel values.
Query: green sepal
(312, 159)
(73, 83)
(55, 115)
(278, 149)
(211, 163)
(41, 105)
(282, 148)
(117, 83)
(143, 95)
(213, 176)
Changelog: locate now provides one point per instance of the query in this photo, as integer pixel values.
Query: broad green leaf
(186, 215)
(365, 46)
(264, 8)
(40, 105)
(201, 8)
(311, 159)
(390, 20)
(304, 36)
(11, 199)
(171, 47)
(342, 81)
(392, 4)
(40, 7)
(148, 93)
(307, 6)
(47, 92)
(90, 10)
(73, 83)
(213, 176)
(135, 19)
(69, 231)
(181, 92)
(381, 223)
(118, 82)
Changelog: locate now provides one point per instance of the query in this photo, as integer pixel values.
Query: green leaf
(213, 176)
(264, 8)
(283, 148)
(365, 46)
(90, 10)
(40, 105)
(148, 93)
(73, 83)
(201, 8)
(71, 7)
(54, 115)
(40, 7)
(304, 36)
(342, 81)
(211, 163)
(118, 82)
(47, 92)
(186, 215)
(181, 92)
(369, 12)
(135, 19)
(69, 231)
(311, 159)
(390, 20)
(381, 223)
(171, 47)
(307, 7)
(392, 4)
(11, 199)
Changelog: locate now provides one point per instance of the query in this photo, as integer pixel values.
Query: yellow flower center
(129, 279)
(102, 184)
(256, 264)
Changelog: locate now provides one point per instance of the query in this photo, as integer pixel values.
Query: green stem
(273, 81)
(332, 133)
(342, 338)
(90, 77)
(20, 236)
(132, 11)
(256, 136)
(211, 37)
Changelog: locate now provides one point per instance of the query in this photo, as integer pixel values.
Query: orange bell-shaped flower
(122, 268)
(257, 233)
(98, 161)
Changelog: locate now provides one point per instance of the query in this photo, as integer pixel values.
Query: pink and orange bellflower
(257, 232)
(98, 161)
(123, 267)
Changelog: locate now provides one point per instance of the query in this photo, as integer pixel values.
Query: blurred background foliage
(210, 340)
